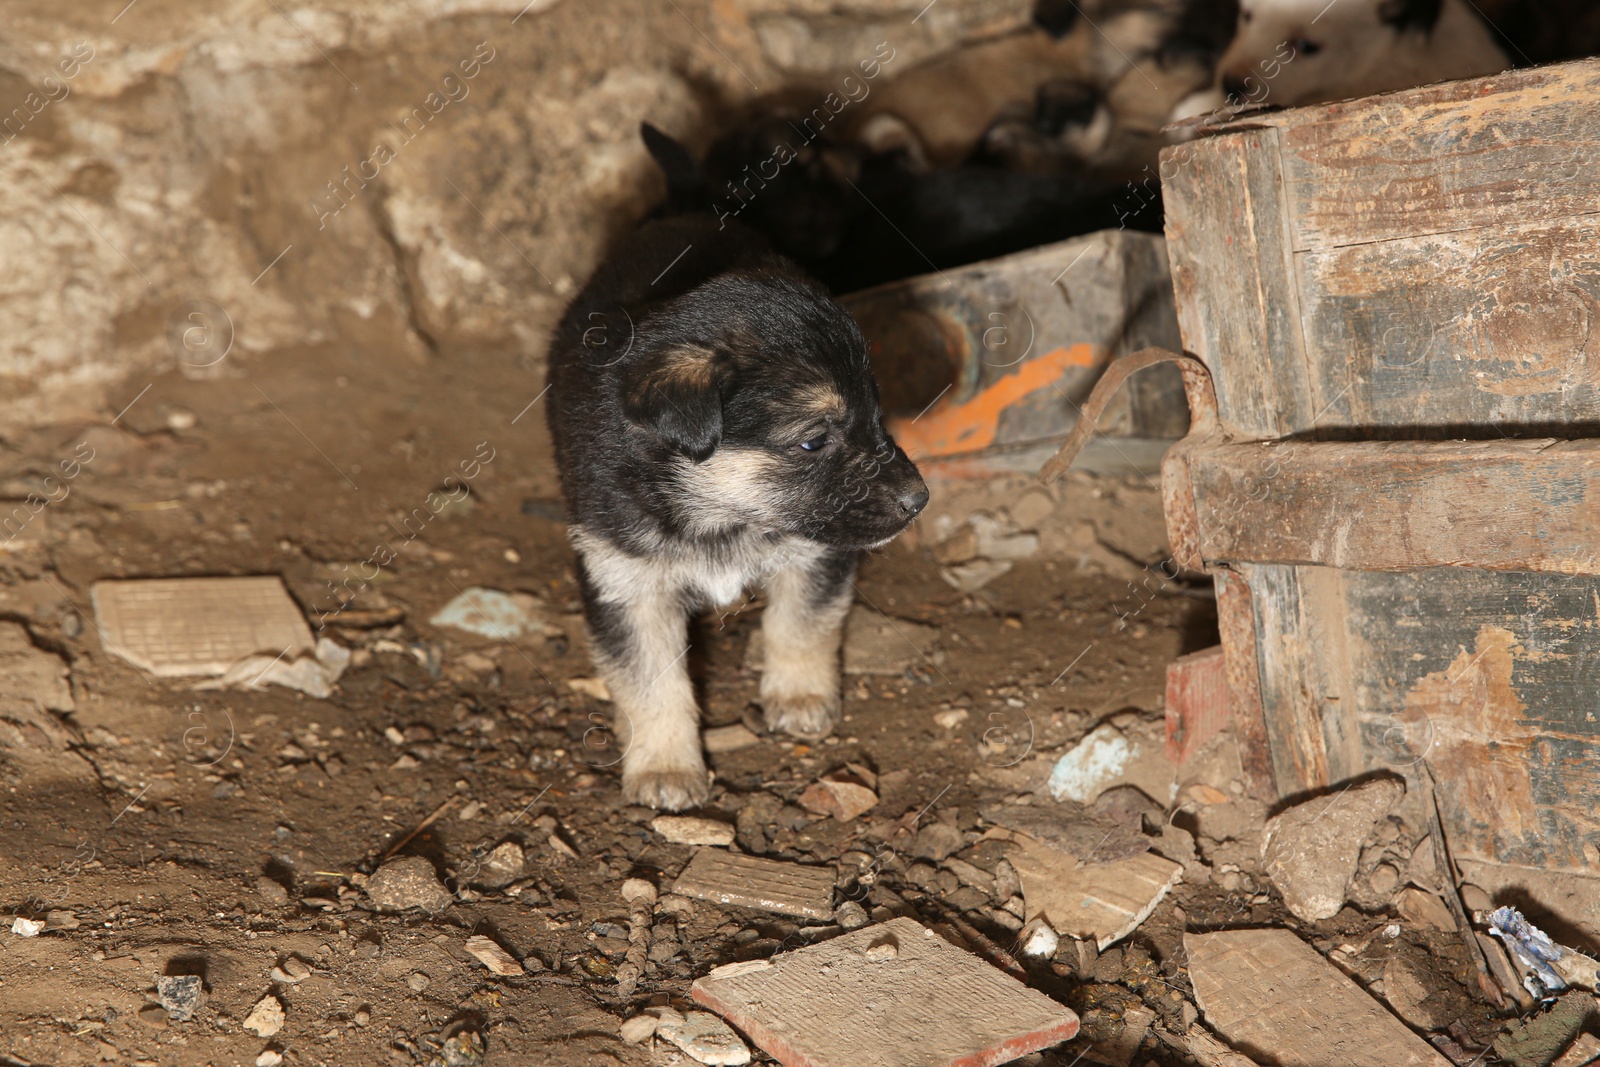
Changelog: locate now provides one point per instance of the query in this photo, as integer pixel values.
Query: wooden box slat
(1230, 269)
(1499, 151)
(1402, 505)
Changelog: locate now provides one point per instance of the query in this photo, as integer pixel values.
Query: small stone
(363, 1017)
(883, 950)
(492, 956)
(502, 866)
(269, 1058)
(1039, 940)
(408, 882)
(838, 795)
(27, 927)
(291, 971)
(850, 915)
(938, 841)
(706, 1038)
(1031, 510)
(271, 892)
(959, 547)
(692, 830)
(1384, 880)
(153, 1015)
(1108, 966)
(949, 720)
(61, 920)
(179, 994)
(266, 1018)
(638, 891)
(465, 1049)
(639, 1029)
(417, 981)
(729, 738)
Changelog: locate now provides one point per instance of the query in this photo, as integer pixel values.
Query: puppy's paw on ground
(667, 788)
(808, 717)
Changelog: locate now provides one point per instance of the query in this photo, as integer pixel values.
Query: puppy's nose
(914, 501)
(1234, 86)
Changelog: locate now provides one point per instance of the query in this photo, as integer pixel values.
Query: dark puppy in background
(716, 424)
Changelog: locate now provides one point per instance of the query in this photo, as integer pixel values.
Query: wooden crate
(983, 366)
(1398, 299)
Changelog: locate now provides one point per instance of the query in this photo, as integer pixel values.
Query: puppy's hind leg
(640, 639)
(801, 629)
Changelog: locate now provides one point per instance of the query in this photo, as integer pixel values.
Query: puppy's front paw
(666, 788)
(808, 717)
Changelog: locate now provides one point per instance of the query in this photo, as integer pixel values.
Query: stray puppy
(1295, 52)
(716, 424)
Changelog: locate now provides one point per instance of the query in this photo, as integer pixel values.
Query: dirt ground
(221, 832)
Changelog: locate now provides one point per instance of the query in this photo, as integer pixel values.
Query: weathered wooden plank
(1401, 505)
(1491, 678)
(1307, 677)
(1493, 326)
(1498, 151)
(1236, 623)
(1227, 238)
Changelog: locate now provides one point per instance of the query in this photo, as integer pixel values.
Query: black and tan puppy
(716, 423)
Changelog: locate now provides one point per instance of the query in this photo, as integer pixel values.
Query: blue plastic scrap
(1532, 947)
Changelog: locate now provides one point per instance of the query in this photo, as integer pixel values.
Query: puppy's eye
(815, 444)
(1303, 47)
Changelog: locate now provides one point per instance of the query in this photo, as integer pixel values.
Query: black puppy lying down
(716, 424)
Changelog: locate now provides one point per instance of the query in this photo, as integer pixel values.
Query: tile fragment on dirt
(176, 627)
(753, 882)
(692, 830)
(1275, 999)
(705, 1038)
(492, 956)
(1104, 902)
(841, 794)
(926, 1004)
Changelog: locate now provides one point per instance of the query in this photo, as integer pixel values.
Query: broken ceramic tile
(753, 882)
(492, 956)
(1091, 837)
(1275, 999)
(705, 1038)
(842, 794)
(176, 627)
(692, 830)
(1103, 902)
(890, 993)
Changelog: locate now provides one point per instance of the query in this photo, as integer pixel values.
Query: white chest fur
(710, 578)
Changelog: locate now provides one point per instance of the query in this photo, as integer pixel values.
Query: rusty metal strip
(1117, 372)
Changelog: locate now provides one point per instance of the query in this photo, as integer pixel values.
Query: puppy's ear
(1410, 14)
(677, 393)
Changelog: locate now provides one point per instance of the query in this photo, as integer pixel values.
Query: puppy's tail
(686, 184)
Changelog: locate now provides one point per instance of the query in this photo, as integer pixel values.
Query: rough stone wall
(421, 177)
